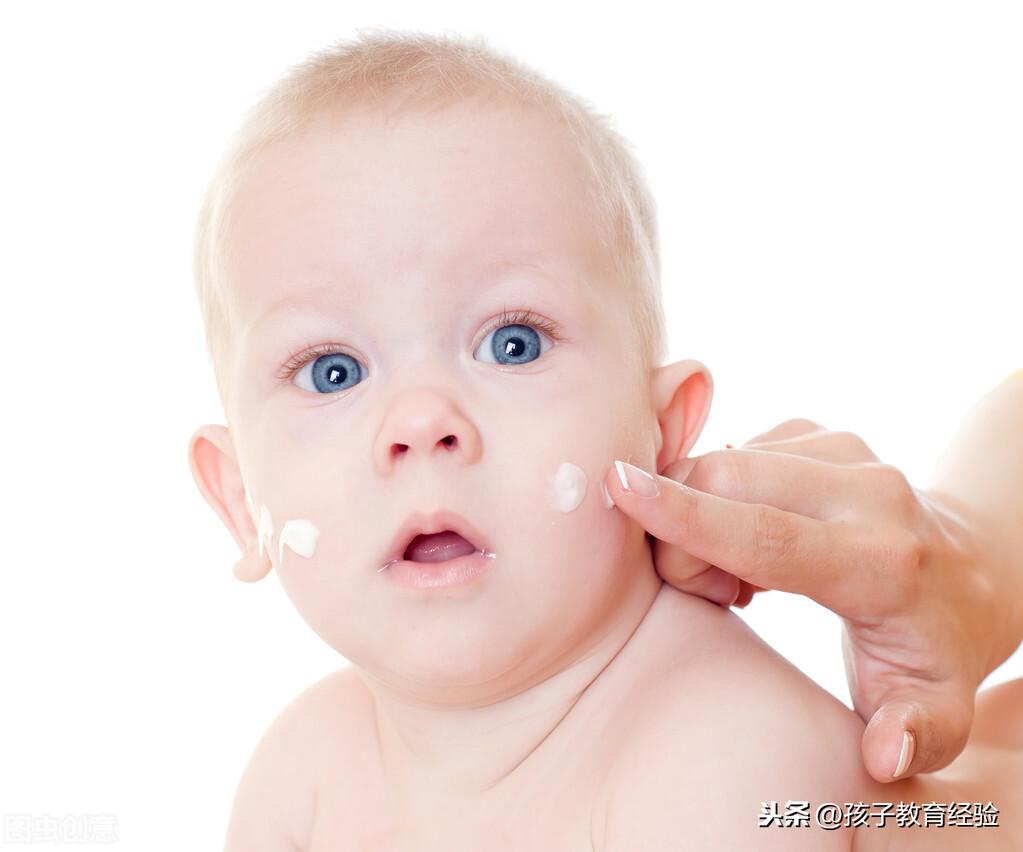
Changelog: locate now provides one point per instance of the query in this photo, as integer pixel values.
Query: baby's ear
(681, 395)
(214, 466)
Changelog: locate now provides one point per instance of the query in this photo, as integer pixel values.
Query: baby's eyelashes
(512, 344)
(329, 373)
(325, 369)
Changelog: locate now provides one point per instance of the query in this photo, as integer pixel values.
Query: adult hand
(805, 510)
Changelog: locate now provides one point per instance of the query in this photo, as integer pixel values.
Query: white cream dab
(566, 489)
(300, 536)
(266, 530)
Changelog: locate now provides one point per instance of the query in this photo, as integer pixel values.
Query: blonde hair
(420, 70)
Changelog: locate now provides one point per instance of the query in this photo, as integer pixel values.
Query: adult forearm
(980, 474)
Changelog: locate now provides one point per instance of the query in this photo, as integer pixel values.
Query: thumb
(693, 575)
(917, 733)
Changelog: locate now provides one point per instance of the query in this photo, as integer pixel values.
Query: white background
(839, 189)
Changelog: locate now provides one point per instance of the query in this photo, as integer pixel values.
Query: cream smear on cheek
(567, 488)
(565, 492)
(298, 534)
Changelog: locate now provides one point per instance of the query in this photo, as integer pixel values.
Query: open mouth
(438, 547)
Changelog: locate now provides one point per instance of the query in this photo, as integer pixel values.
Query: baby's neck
(440, 755)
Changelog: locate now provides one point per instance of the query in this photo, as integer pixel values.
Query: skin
(527, 244)
(926, 580)
(566, 590)
(583, 714)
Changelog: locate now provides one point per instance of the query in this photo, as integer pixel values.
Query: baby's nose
(428, 424)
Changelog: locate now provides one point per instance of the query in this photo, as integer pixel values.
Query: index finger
(759, 543)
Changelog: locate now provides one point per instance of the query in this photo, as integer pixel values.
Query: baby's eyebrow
(310, 299)
(314, 301)
(320, 299)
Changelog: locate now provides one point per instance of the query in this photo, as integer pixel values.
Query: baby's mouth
(438, 547)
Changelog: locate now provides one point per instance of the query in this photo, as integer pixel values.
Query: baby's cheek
(318, 555)
(566, 488)
(327, 589)
(577, 510)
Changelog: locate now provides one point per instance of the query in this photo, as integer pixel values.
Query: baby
(430, 285)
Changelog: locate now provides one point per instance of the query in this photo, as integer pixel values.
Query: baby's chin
(484, 625)
(472, 651)
(464, 664)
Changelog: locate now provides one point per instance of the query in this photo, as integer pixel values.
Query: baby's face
(386, 368)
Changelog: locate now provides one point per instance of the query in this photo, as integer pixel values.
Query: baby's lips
(438, 547)
(440, 520)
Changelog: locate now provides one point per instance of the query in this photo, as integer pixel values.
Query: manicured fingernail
(906, 755)
(637, 481)
(608, 501)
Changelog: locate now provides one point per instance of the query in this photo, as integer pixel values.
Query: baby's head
(430, 285)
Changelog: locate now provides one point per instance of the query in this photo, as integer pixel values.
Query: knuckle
(802, 424)
(773, 534)
(909, 555)
(932, 741)
(905, 557)
(799, 426)
(893, 489)
(786, 429)
(685, 513)
(725, 472)
(903, 496)
(852, 441)
(892, 481)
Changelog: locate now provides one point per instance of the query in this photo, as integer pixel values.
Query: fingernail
(906, 755)
(608, 501)
(637, 481)
(730, 446)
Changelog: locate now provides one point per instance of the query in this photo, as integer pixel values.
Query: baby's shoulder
(274, 804)
(717, 728)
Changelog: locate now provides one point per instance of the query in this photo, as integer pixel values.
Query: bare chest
(548, 808)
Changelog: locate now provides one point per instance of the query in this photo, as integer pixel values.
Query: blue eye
(517, 337)
(512, 344)
(330, 373)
